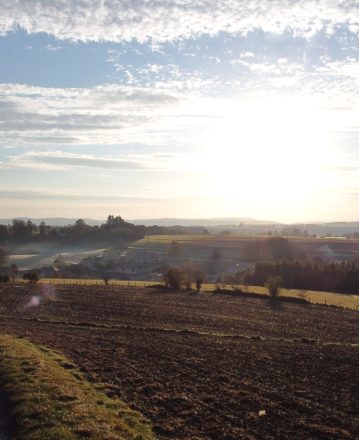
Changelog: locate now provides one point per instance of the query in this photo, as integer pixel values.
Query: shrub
(273, 284)
(106, 280)
(174, 278)
(199, 282)
(4, 278)
(31, 277)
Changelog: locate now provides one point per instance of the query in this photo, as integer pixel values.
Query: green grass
(50, 400)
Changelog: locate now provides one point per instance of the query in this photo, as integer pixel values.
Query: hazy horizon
(206, 220)
(203, 109)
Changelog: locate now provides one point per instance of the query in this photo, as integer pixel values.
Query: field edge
(48, 398)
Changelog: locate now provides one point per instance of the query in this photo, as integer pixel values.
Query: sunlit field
(326, 298)
(165, 239)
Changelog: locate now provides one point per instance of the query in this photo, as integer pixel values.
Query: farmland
(202, 366)
(233, 246)
(326, 298)
(227, 238)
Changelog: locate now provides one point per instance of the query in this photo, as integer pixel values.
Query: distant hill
(344, 224)
(318, 227)
(224, 221)
(332, 228)
(220, 221)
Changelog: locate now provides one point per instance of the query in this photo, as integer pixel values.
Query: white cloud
(172, 112)
(104, 114)
(60, 160)
(55, 160)
(52, 48)
(348, 68)
(163, 20)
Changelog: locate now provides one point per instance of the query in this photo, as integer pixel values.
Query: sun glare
(276, 146)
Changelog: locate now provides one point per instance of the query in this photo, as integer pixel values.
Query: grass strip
(48, 398)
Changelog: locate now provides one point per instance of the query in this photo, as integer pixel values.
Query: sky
(180, 108)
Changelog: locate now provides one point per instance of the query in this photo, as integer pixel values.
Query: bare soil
(203, 366)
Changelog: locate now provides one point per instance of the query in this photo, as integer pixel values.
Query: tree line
(113, 230)
(329, 277)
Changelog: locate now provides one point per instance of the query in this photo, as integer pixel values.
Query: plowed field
(203, 366)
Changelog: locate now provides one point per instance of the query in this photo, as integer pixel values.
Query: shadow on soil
(7, 425)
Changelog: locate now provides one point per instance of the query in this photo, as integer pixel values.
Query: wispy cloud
(162, 115)
(39, 194)
(58, 160)
(102, 199)
(161, 20)
(104, 114)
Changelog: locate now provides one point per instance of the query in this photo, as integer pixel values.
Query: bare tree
(174, 278)
(273, 284)
(14, 271)
(199, 282)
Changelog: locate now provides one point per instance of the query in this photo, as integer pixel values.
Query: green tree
(4, 233)
(30, 228)
(43, 229)
(114, 222)
(80, 227)
(19, 231)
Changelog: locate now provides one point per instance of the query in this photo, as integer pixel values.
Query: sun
(275, 146)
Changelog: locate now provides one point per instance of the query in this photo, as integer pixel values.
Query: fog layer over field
(33, 257)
